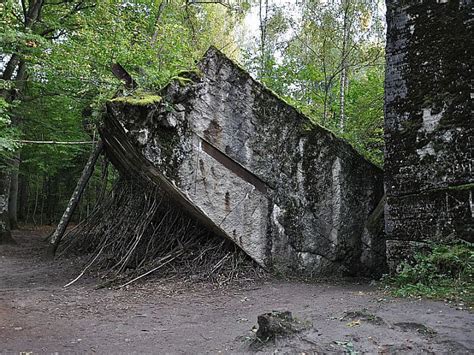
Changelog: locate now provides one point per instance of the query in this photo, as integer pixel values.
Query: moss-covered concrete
(428, 120)
(297, 200)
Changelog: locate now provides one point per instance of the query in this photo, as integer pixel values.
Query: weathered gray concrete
(428, 123)
(289, 193)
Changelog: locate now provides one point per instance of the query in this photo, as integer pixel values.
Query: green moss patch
(182, 80)
(139, 100)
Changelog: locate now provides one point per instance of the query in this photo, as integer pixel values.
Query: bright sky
(251, 23)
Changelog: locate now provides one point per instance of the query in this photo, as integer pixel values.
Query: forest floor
(39, 315)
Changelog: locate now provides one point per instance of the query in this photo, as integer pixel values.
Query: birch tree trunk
(263, 17)
(343, 78)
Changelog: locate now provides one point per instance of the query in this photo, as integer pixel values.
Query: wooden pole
(23, 141)
(75, 198)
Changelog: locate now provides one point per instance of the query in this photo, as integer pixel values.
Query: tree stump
(274, 324)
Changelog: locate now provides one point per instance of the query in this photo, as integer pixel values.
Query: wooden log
(75, 198)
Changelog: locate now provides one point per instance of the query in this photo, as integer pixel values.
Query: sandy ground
(39, 315)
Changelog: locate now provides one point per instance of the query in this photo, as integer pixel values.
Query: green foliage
(301, 57)
(7, 132)
(444, 273)
(68, 54)
(364, 112)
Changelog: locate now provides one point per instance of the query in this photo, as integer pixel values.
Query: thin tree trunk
(42, 199)
(22, 198)
(157, 20)
(343, 78)
(325, 110)
(326, 87)
(52, 198)
(342, 99)
(75, 198)
(5, 233)
(13, 198)
(36, 204)
(263, 16)
(28, 204)
(10, 67)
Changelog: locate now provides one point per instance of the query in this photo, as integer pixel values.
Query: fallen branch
(85, 269)
(152, 270)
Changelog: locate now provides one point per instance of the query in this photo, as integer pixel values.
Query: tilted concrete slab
(292, 195)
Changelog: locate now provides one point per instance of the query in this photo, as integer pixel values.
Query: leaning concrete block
(253, 169)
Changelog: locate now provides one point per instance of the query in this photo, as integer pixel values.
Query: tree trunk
(263, 16)
(5, 233)
(13, 198)
(10, 67)
(75, 198)
(342, 99)
(342, 90)
(22, 198)
(161, 8)
(52, 198)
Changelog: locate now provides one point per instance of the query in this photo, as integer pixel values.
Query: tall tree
(318, 54)
(66, 49)
(25, 24)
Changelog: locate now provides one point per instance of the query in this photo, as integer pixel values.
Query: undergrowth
(446, 272)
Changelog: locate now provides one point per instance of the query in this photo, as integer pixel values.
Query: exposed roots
(137, 230)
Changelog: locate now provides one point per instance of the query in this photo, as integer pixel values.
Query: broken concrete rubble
(253, 169)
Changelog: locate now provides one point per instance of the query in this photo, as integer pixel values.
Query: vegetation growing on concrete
(139, 99)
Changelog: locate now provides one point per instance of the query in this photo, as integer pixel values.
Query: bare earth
(37, 314)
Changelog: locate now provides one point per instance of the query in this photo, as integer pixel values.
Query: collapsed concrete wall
(428, 123)
(253, 169)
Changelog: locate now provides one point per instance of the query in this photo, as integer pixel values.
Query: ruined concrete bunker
(254, 170)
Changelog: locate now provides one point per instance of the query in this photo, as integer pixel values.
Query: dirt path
(37, 314)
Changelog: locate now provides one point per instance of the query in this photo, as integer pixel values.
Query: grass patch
(446, 272)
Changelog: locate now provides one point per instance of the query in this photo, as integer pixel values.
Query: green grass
(444, 273)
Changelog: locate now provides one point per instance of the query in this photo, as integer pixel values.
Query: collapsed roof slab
(293, 196)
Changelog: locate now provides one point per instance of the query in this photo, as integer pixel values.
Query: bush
(446, 272)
